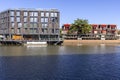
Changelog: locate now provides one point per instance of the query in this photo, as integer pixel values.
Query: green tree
(60, 33)
(80, 26)
(118, 32)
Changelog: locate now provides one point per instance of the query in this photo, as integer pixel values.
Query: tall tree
(80, 26)
(118, 32)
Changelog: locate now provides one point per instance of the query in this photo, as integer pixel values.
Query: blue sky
(96, 11)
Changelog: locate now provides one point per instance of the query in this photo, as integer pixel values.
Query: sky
(95, 11)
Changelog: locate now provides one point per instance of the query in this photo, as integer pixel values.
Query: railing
(91, 37)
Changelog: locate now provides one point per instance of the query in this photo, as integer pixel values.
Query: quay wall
(90, 42)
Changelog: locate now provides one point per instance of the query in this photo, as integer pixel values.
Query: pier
(11, 42)
(22, 42)
(53, 42)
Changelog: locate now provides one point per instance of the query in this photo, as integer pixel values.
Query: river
(85, 62)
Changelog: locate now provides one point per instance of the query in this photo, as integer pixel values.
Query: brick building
(31, 24)
(65, 28)
(108, 31)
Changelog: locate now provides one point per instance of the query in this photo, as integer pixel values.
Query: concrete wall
(90, 42)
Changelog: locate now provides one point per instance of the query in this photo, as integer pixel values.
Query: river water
(85, 62)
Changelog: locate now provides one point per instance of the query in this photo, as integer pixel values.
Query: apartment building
(65, 28)
(98, 31)
(31, 24)
(105, 29)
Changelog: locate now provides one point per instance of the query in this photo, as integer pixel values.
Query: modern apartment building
(31, 24)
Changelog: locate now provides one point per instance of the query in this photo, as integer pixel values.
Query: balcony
(110, 33)
(108, 29)
(113, 29)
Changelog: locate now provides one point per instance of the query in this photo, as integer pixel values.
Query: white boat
(35, 43)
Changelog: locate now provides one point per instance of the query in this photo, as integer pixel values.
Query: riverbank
(89, 42)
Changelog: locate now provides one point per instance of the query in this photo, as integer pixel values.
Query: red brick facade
(106, 29)
(65, 28)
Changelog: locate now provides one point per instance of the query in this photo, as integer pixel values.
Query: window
(52, 19)
(25, 14)
(104, 28)
(35, 30)
(25, 19)
(31, 30)
(44, 25)
(42, 30)
(35, 20)
(19, 25)
(55, 19)
(31, 25)
(18, 19)
(55, 14)
(47, 14)
(35, 25)
(52, 14)
(46, 19)
(57, 30)
(31, 19)
(25, 25)
(108, 26)
(13, 24)
(113, 27)
(11, 13)
(12, 19)
(17, 13)
(31, 14)
(45, 30)
(12, 30)
(18, 30)
(35, 13)
(26, 30)
(42, 19)
(42, 14)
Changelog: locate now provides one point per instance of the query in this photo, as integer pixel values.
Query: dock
(11, 42)
(22, 42)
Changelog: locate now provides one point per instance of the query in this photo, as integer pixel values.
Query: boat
(29, 43)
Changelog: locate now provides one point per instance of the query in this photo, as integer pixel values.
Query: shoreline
(89, 42)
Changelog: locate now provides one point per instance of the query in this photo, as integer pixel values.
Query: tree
(118, 32)
(80, 26)
(60, 33)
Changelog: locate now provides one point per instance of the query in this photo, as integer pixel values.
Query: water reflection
(57, 50)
